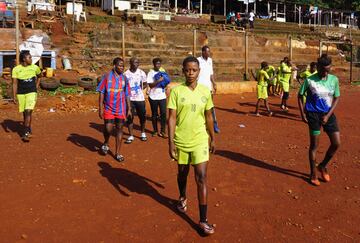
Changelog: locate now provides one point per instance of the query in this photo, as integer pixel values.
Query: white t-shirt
(206, 70)
(136, 81)
(251, 16)
(155, 93)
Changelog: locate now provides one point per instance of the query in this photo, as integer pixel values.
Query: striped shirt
(116, 89)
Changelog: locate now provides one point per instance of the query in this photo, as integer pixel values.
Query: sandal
(315, 182)
(207, 228)
(119, 158)
(182, 205)
(26, 137)
(162, 135)
(154, 133)
(105, 149)
(324, 174)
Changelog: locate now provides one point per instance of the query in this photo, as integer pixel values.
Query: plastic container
(66, 63)
(49, 72)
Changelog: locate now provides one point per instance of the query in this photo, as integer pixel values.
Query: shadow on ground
(123, 179)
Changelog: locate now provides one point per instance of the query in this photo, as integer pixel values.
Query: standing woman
(25, 85)
(157, 98)
(323, 95)
(190, 126)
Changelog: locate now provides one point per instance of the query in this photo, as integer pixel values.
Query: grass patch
(64, 90)
(102, 19)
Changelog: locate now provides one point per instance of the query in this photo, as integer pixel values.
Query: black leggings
(154, 104)
(137, 107)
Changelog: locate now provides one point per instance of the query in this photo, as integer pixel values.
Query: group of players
(191, 126)
(317, 98)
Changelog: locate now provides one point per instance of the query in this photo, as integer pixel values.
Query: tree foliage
(333, 4)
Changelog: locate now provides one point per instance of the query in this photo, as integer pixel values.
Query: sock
(182, 187)
(203, 212)
(27, 129)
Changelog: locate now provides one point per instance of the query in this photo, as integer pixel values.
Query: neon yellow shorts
(285, 86)
(198, 155)
(262, 92)
(26, 101)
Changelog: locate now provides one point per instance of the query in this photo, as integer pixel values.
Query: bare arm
(38, 81)
(301, 108)
(171, 132)
(14, 87)
(212, 79)
(210, 129)
(101, 105)
(129, 106)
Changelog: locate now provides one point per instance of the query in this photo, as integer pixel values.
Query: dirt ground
(57, 188)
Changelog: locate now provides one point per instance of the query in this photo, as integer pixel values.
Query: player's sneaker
(182, 205)
(26, 137)
(105, 148)
(207, 228)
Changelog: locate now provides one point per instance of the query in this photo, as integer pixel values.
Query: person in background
(206, 77)
(157, 98)
(137, 81)
(114, 98)
(26, 81)
(323, 94)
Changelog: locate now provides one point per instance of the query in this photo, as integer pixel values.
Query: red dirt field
(57, 188)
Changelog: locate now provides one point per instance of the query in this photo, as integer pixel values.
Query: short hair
(23, 54)
(156, 59)
(324, 60)
(204, 48)
(286, 59)
(133, 59)
(117, 60)
(264, 64)
(190, 59)
(313, 64)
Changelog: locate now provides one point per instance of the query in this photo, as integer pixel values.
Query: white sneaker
(129, 139)
(143, 136)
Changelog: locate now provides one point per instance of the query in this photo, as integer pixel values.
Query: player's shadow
(241, 158)
(87, 142)
(233, 110)
(100, 128)
(122, 179)
(12, 126)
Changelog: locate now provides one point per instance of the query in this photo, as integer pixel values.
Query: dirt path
(58, 188)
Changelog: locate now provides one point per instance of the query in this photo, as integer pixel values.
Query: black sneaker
(26, 137)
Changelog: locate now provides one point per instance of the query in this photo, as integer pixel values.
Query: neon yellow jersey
(286, 72)
(306, 74)
(279, 74)
(270, 71)
(262, 77)
(26, 77)
(190, 106)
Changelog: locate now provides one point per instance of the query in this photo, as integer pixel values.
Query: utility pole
(17, 30)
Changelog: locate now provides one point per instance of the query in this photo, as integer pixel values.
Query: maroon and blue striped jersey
(116, 89)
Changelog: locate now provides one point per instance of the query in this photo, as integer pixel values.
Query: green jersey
(320, 92)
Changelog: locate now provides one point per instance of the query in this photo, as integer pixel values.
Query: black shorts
(138, 108)
(315, 123)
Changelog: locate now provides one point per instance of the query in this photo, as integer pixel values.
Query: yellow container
(49, 72)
